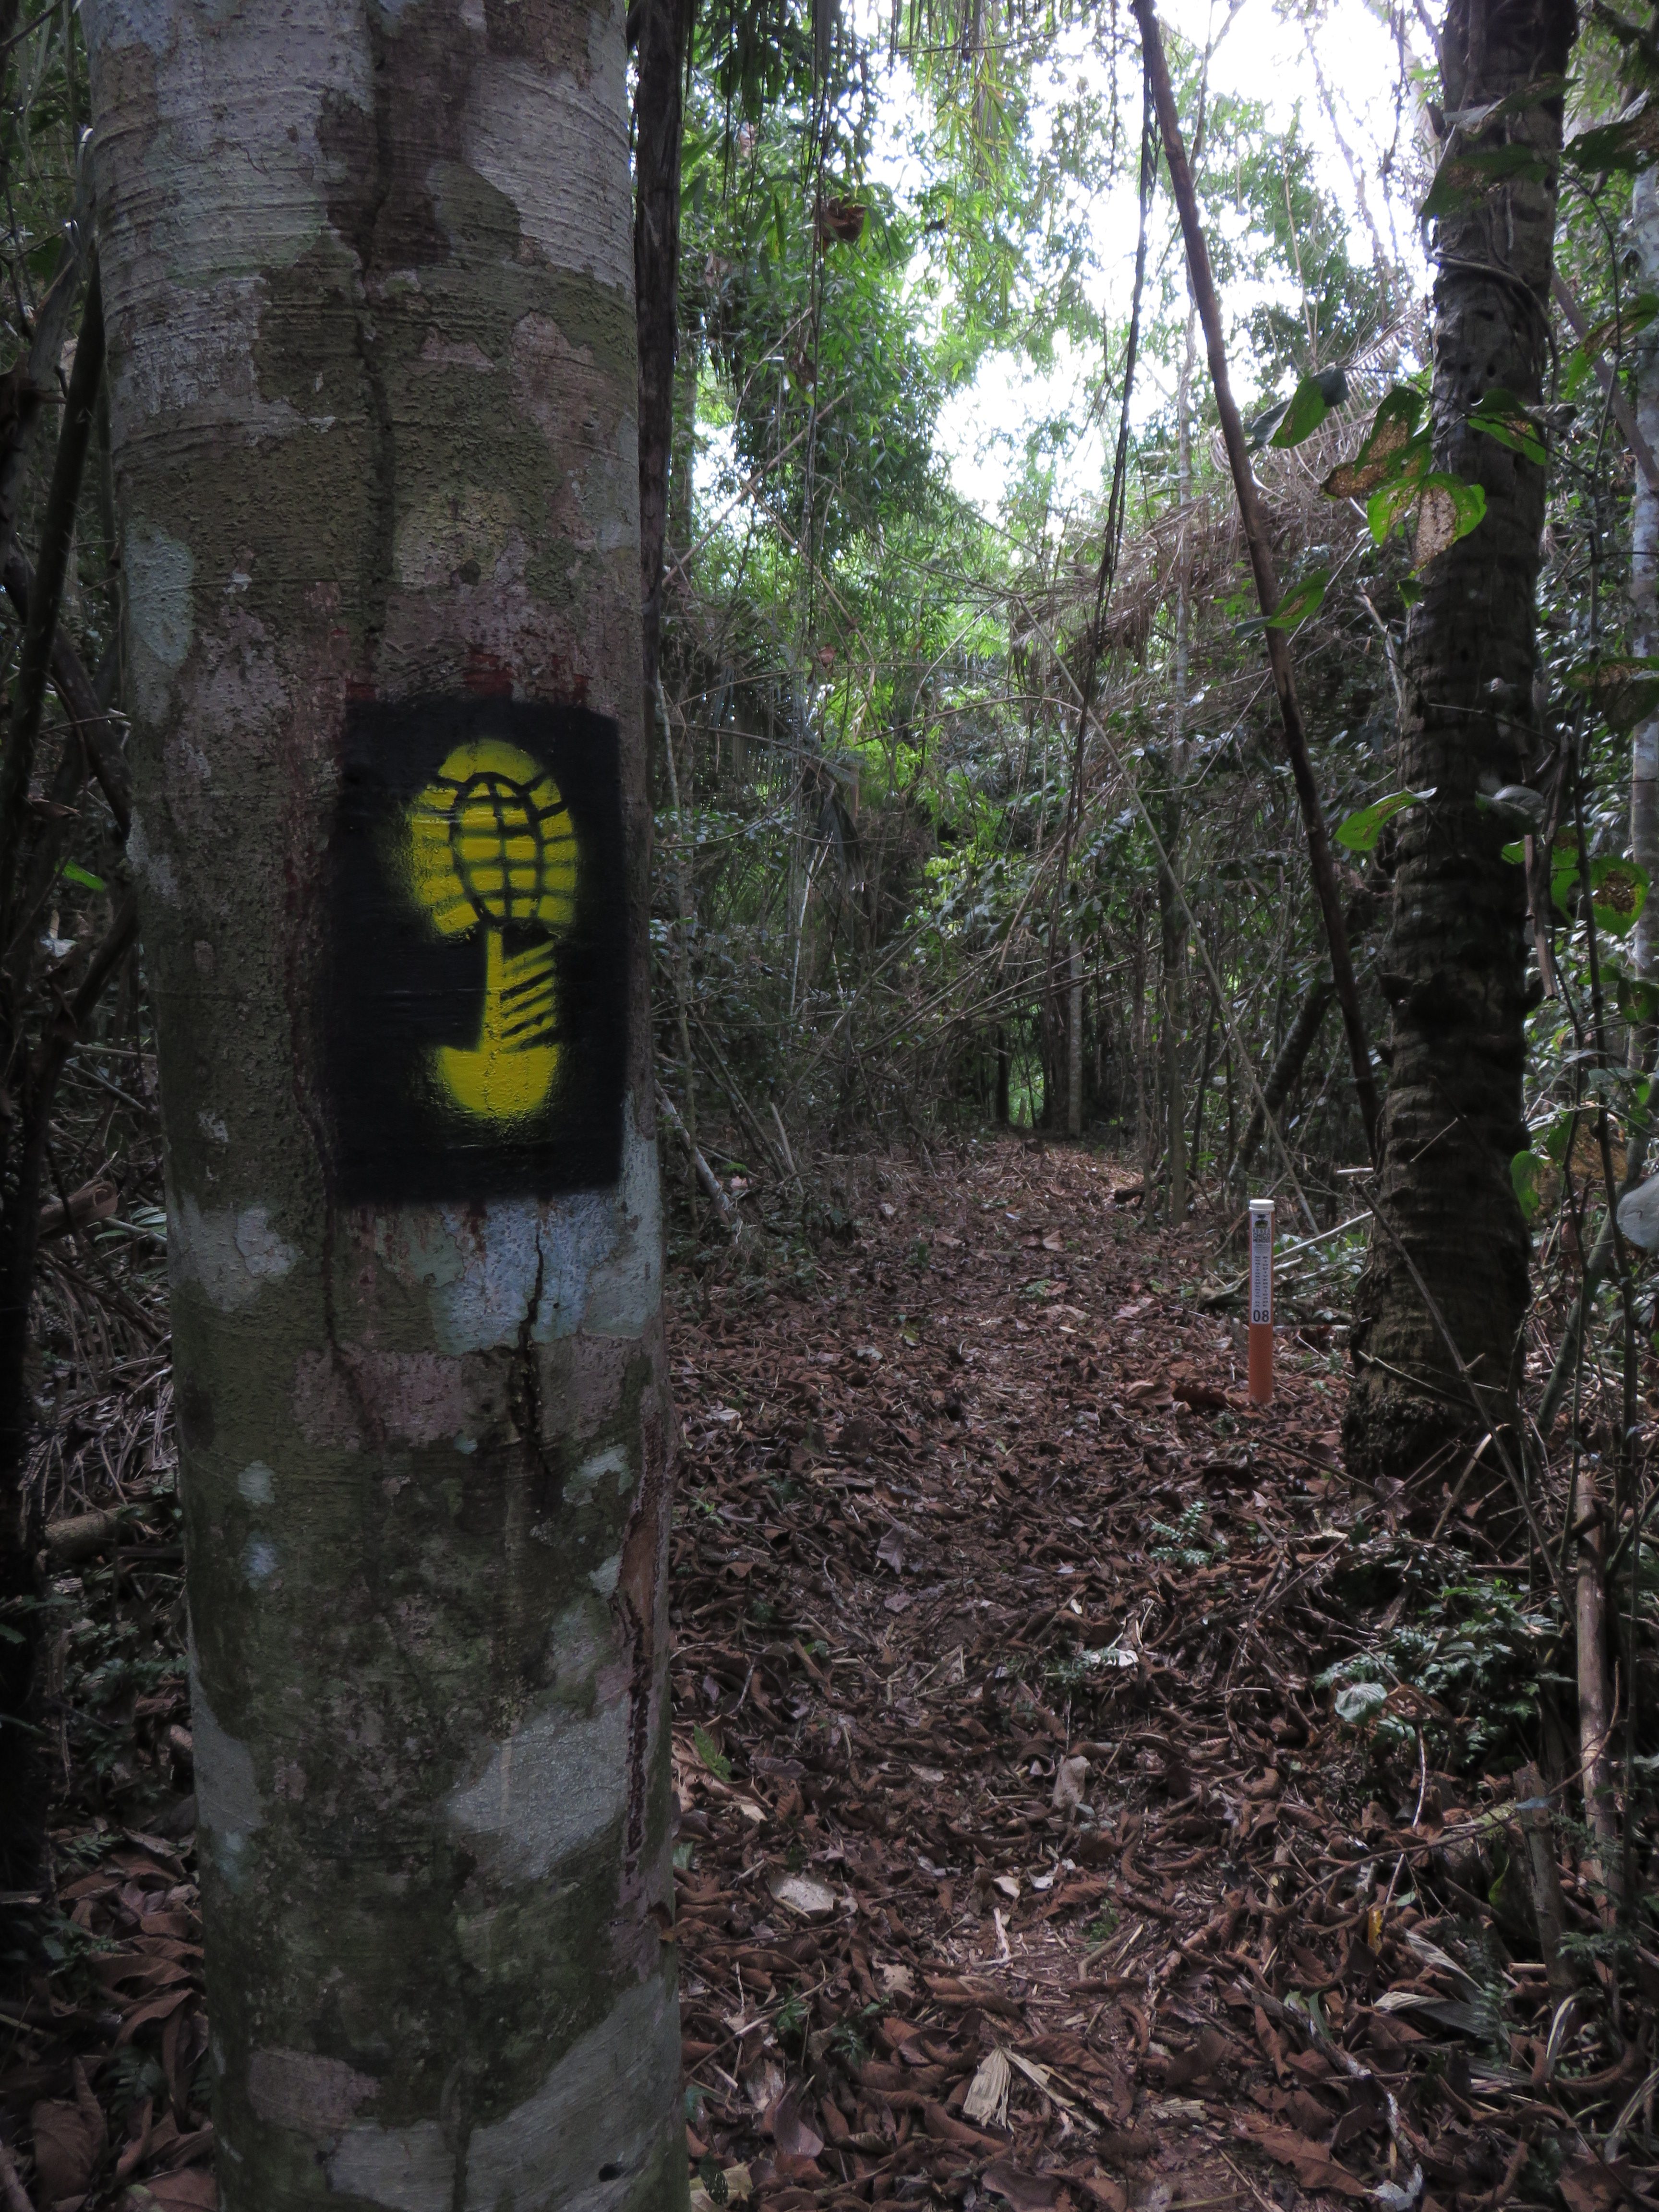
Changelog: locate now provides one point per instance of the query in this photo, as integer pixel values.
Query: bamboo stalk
(729, 1220)
(1594, 1692)
(1544, 1881)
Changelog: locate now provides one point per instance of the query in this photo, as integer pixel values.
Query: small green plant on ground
(1472, 1663)
(1184, 1544)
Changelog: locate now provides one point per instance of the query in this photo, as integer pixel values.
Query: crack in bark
(382, 494)
(524, 1395)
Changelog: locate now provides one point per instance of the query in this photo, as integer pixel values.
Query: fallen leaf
(193, 2190)
(794, 2137)
(943, 2129)
(1108, 2195)
(739, 2187)
(986, 2102)
(890, 1551)
(1026, 2191)
(800, 1892)
(1588, 2186)
(1200, 2062)
(1313, 2167)
(763, 2085)
(1069, 1779)
(66, 2149)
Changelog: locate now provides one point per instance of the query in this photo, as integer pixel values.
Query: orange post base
(1262, 1362)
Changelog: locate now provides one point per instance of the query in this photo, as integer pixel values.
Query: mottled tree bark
(1454, 968)
(1644, 592)
(368, 275)
(665, 33)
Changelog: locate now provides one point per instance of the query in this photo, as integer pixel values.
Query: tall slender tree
(662, 51)
(1451, 1259)
(368, 275)
(1644, 576)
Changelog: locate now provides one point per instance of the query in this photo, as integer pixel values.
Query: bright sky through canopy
(1263, 58)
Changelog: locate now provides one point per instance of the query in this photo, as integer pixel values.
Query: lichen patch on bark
(230, 1255)
(553, 1788)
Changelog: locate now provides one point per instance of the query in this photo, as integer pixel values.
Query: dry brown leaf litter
(1021, 1859)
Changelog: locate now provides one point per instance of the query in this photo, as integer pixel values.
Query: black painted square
(479, 976)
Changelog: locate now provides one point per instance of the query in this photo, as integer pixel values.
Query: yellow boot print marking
(492, 847)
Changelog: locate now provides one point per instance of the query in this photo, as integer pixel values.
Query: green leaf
(715, 1760)
(1623, 691)
(1359, 832)
(1630, 143)
(1638, 999)
(1524, 1171)
(1463, 179)
(1618, 891)
(1392, 444)
(1307, 411)
(74, 873)
(1558, 1136)
(1410, 589)
(1301, 601)
(1389, 506)
(1360, 1702)
(1448, 509)
(1551, 86)
(1501, 415)
(1612, 332)
(1515, 852)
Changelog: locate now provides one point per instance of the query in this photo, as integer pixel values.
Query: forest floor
(1022, 1853)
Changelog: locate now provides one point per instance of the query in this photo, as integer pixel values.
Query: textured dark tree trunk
(1172, 938)
(1453, 969)
(374, 384)
(665, 33)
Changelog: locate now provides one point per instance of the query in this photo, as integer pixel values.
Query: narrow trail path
(1025, 1858)
(997, 1615)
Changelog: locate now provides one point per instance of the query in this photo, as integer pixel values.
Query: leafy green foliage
(1624, 688)
(1359, 831)
(1466, 1670)
(1618, 888)
(1182, 1543)
(1302, 599)
(711, 1754)
(1464, 178)
(1499, 415)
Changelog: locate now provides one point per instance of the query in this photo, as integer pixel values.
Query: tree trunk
(369, 285)
(1002, 1080)
(664, 32)
(1172, 914)
(1205, 1066)
(682, 461)
(1454, 970)
(1141, 1047)
(1075, 1042)
(1645, 600)
(1172, 939)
